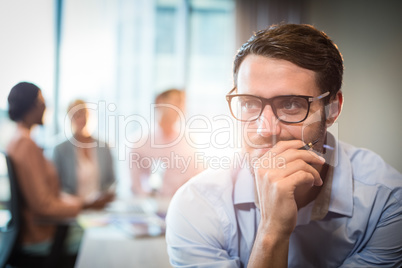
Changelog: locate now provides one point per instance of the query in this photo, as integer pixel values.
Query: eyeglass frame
(265, 101)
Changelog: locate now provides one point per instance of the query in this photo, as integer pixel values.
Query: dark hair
(302, 45)
(21, 99)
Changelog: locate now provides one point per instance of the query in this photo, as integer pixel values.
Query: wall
(368, 33)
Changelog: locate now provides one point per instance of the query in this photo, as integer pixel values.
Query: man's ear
(334, 108)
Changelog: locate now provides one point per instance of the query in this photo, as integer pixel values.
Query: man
(164, 161)
(304, 199)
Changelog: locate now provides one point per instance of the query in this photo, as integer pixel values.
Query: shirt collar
(337, 192)
(244, 186)
(342, 183)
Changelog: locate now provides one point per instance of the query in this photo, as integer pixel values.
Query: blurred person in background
(37, 177)
(85, 164)
(302, 198)
(164, 161)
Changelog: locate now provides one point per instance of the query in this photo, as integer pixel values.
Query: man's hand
(278, 174)
(276, 184)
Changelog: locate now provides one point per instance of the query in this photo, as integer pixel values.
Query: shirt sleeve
(57, 160)
(39, 184)
(384, 249)
(111, 178)
(196, 232)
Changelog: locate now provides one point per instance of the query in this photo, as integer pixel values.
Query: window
(118, 55)
(27, 54)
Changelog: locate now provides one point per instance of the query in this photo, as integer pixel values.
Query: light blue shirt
(212, 220)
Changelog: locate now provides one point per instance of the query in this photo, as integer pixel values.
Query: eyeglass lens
(286, 108)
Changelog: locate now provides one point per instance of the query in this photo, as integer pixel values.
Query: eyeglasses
(287, 108)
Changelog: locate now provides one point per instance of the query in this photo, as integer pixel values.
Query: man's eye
(248, 104)
(292, 104)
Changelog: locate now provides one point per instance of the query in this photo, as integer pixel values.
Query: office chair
(9, 215)
(11, 254)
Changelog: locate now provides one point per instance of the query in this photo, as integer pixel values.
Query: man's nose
(267, 123)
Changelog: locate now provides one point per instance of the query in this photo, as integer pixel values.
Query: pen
(309, 145)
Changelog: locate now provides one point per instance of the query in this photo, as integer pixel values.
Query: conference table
(128, 233)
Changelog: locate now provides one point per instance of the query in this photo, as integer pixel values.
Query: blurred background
(118, 54)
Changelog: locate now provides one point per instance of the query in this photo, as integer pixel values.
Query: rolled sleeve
(194, 240)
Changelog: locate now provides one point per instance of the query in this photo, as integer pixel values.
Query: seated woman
(84, 164)
(36, 176)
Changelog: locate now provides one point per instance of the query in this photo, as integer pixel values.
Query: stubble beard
(253, 156)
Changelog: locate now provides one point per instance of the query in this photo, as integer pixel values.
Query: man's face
(267, 78)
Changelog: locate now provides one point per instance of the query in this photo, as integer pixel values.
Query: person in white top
(163, 160)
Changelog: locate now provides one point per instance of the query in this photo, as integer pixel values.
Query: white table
(111, 246)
